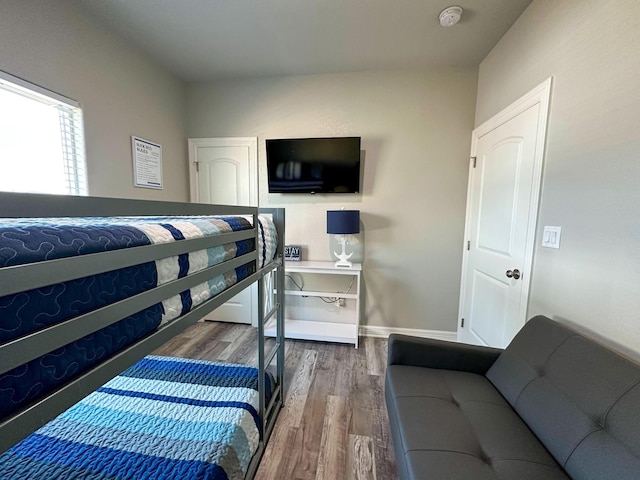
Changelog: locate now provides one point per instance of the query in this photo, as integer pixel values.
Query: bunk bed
(89, 287)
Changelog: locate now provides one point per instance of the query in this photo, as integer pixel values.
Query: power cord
(324, 299)
(293, 280)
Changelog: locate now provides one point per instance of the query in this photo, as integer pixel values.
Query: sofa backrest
(580, 399)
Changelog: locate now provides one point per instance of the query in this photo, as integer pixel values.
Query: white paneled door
(502, 204)
(224, 171)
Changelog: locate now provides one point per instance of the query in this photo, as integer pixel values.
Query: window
(41, 140)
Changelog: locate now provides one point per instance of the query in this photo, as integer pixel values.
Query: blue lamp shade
(344, 222)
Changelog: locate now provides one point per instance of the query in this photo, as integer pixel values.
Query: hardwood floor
(334, 424)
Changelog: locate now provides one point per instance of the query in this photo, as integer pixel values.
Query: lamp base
(343, 263)
(343, 258)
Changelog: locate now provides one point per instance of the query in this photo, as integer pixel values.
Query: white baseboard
(384, 332)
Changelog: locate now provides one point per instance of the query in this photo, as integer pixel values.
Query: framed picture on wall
(147, 163)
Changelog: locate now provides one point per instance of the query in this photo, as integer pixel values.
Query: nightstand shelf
(322, 330)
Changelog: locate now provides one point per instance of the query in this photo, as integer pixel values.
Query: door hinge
(197, 164)
(468, 244)
(474, 161)
(462, 323)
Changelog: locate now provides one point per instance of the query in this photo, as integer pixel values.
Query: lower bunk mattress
(25, 241)
(163, 418)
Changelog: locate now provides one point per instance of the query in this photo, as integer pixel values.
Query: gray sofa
(552, 405)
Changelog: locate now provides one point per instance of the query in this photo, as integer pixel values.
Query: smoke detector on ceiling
(450, 16)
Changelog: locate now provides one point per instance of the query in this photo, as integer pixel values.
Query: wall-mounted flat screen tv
(314, 165)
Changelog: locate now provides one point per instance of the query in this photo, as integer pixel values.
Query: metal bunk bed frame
(20, 278)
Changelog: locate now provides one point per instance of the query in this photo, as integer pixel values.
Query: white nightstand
(316, 330)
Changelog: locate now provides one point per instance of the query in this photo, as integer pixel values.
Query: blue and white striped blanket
(164, 418)
(32, 240)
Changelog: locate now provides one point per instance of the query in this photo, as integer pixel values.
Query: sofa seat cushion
(452, 424)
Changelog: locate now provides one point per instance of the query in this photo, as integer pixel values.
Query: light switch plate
(551, 237)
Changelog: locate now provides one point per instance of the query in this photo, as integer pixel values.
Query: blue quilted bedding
(164, 418)
(32, 240)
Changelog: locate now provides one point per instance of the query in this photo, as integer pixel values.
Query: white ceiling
(203, 40)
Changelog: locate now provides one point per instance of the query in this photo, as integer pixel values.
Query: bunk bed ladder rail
(269, 413)
(263, 363)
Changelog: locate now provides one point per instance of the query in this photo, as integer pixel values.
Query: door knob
(515, 274)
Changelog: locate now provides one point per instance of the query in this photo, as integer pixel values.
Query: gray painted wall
(591, 183)
(122, 93)
(416, 132)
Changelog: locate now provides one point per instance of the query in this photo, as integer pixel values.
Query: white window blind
(41, 140)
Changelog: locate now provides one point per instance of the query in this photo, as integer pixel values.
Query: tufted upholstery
(580, 399)
(553, 405)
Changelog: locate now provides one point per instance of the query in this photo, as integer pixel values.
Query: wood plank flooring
(334, 424)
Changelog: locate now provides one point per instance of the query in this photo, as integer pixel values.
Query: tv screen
(314, 165)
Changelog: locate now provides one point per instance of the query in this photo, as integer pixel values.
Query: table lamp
(342, 223)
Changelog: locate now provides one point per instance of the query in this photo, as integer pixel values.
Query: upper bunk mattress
(25, 241)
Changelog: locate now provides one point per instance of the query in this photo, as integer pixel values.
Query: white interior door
(224, 171)
(502, 205)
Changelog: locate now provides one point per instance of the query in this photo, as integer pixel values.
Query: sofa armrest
(427, 352)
